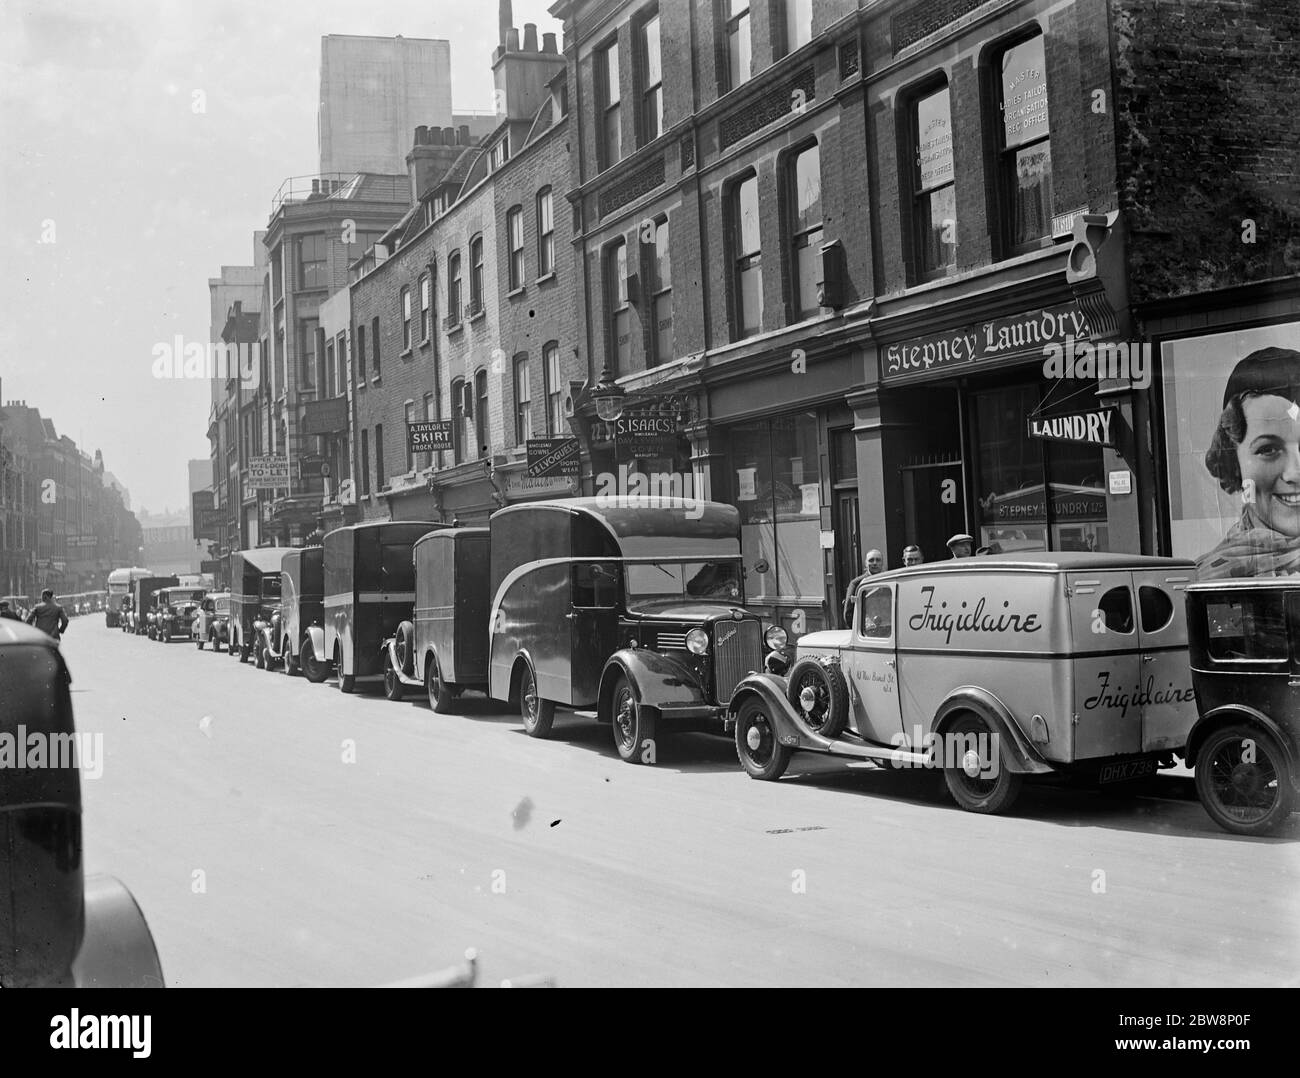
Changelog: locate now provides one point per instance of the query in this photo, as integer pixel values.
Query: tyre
(1243, 780)
(165, 636)
(538, 714)
(215, 641)
(288, 663)
(439, 692)
(259, 655)
(404, 646)
(819, 694)
(313, 669)
(393, 688)
(245, 651)
(760, 753)
(973, 751)
(347, 682)
(199, 643)
(633, 724)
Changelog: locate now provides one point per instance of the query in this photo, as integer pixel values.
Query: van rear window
(1250, 629)
(1116, 608)
(1156, 608)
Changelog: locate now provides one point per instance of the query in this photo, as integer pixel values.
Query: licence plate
(1130, 769)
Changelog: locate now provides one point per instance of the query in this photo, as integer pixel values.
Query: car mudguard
(1020, 755)
(389, 650)
(1229, 713)
(117, 948)
(316, 634)
(660, 681)
(790, 728)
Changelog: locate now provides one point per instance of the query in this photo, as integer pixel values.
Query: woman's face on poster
(1269, 458)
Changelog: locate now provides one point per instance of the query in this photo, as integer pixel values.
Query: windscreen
(684, 580)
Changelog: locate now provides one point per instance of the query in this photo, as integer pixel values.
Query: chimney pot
(435, 136)
(421, 135)
(464, 134)
(505, 20)
(530, 37)
(315, 187)
(548, 43)
(449, 136)
(512, 40)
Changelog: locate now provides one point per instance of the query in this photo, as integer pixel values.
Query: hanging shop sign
(430, 436)
(1093, 427)
(552, 456)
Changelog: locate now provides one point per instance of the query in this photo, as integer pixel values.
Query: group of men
(960, 545)
(47, 615)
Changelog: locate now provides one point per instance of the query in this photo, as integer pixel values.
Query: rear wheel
(347, 682)
(259, 656)
(1243, 780)
(634, 726)
(393, 687)
(198, 643)
(538, 714)
(820, 696)
(761, 754)
(978, 779)
(439, 692)
(288, 663)
(313, 669)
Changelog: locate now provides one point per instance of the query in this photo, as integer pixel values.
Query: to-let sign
(268, 473)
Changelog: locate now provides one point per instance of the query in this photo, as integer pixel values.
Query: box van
(993, 668)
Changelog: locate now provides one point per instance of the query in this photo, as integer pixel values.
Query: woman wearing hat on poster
(1256, 450)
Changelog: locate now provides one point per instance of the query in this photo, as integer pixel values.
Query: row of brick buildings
(827, 247)
(65, 522)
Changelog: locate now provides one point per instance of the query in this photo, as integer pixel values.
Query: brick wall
(1209, 136)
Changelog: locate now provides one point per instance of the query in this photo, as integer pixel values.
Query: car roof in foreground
(17, 632)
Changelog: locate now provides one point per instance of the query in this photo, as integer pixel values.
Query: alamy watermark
(663, 489)
(1123, 360)
(41, 749)
(178, 358)
(975, 753)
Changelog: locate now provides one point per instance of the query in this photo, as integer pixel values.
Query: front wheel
(259, 655)
(347, 682)
(289, 663)
(761, 754)
(313, 669)
(974, 768)
(634, 726)
(538, 714)
(439, 692)
(1243, 780)
(393, 688)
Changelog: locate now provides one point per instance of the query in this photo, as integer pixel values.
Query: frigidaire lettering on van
(974, 620)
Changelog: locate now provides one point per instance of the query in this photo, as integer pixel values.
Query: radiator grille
(737, 651)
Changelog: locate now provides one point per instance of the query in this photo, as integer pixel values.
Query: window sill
(426, 342)
(457, 328)
(478, 317)
(405, 353)
(545, 277)
(515, 293)
(375, 380)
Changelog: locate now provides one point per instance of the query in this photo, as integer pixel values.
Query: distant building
(169, 544)
(373, 93)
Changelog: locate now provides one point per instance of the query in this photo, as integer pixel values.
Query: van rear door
(1165, 689)
(1104, 664)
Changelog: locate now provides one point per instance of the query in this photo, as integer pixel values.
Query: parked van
(299, 642)
(212, 625)
(254, 593)
(993, 668)
(120, 583)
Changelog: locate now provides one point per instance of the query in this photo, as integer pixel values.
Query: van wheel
(1243, 780)
(290, 664)
(393, 688)
(439, 692)
(538, 714)
(633, 724)
(348, 682)
(971, 745)
(199, 643)
(259, 655)
(403, 645)
(761, 754)
(823, 688)
(313, 669)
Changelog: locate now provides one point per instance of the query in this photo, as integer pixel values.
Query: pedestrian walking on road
(49, 616)
(5, 612)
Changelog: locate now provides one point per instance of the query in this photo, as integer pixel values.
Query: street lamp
(608, 397)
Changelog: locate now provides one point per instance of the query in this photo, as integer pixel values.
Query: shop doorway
(933, 508)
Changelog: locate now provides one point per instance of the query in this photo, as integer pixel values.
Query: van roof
(1247, 583)
(265, 559)
(1055, 561)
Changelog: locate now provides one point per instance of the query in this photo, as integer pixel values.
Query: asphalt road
(279, 833)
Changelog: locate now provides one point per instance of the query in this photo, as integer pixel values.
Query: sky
(119, 198)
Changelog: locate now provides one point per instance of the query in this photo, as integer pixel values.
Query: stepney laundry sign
(1095, 427)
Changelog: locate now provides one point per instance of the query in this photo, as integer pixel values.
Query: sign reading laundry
(1091, 428)
(983, 341)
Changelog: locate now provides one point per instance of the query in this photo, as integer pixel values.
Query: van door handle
(571, 615)
(1148, 658)
(889, 662)
(1294, 683)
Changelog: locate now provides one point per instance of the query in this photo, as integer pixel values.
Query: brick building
(830, 247)
(466, 310)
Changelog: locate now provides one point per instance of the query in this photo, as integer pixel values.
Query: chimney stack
(505, 20)
(530, 37)
(548, 43)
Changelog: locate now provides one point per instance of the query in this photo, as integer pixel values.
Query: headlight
(697, 641)
(775, 638)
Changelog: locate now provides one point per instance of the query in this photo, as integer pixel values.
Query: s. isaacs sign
(984, 341)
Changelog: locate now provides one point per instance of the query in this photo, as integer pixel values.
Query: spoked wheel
(313, 669)
(820, 695)
(979, 779)
(538, 714)
(439, 692)
(634, 726)
(761, 754)
(1243, 780)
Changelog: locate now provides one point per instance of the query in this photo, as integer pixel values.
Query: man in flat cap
(962, 545)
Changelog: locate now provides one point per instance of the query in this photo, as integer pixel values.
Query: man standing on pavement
(962, 545)
(5, 612)
(875, 564)
(48, 616)
(912, 555)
